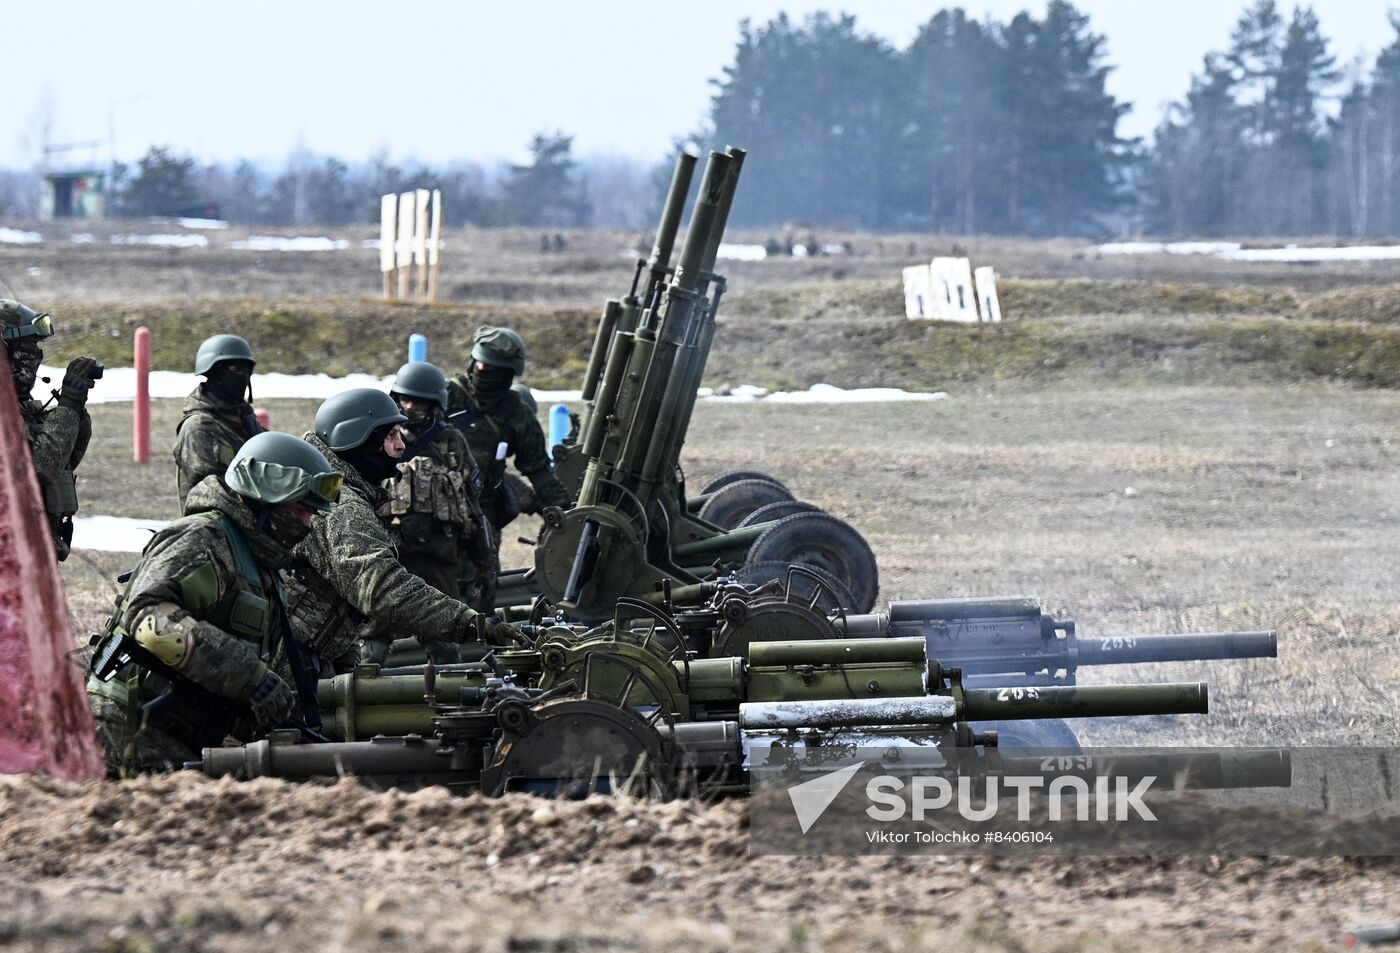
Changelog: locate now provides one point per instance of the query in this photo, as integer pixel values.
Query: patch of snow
(113, 534)
(164, 241)
(119, 384)
(735, 252)
(1234, 251)
(296, 243)
(82, 238)
(370, 243)
(209, 223)
(13, 236)
(1292, 253)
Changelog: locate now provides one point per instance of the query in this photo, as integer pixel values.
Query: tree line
(976, 127)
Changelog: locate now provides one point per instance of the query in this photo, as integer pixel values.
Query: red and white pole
(141, 434)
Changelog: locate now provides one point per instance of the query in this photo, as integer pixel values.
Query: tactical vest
(245, 610)
(60, 493)
(430, 487)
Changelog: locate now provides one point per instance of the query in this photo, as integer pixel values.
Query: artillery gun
(583, 713)
(991, 642)
(633, 530)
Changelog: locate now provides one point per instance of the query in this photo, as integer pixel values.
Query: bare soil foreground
(1179, 491)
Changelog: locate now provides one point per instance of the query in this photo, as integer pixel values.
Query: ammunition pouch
(432, 489)
(507, 503)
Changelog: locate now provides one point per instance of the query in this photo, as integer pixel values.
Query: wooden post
(435, 246)
(404, 246)
(420, 243)
(388, 234)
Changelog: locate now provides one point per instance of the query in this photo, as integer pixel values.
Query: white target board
(916, 291)
(988, 303)
(950, 281)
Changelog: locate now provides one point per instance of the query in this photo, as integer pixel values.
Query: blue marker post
(558, 425)
(417, 348)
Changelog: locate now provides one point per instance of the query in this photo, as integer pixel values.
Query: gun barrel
(1079, 701)
(671, 213)
(1177, 648)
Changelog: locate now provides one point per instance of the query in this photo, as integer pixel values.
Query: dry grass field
(1201, 483)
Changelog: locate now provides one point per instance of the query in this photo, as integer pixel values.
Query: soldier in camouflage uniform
(499, 425)
(213, 655)
(350, 582)
(218, 417)
(433, 513)
(58, 437)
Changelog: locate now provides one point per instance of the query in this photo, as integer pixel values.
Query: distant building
(78, 194)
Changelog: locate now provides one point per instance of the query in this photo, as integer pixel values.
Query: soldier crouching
(211, 655)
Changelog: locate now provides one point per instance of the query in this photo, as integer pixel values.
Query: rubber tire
(753, 574)
(776, 511)
(734, 476)
(821, 539)
(1043, 733)
(732, 503)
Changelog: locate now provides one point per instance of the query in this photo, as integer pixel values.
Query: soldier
(351, 581)
(58, 437)
(433, 513)
(205, 606)
(218, 417)
(498, 425)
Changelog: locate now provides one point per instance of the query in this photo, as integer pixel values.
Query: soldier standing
(205, 608)
(499, 425)
(218, 415)
(433, 513)
(351, 581)
(58, 437)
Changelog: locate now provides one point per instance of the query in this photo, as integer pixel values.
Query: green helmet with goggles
(347, 420)
(19, 322)
(499, 347)
(421, 379)
(274, 467)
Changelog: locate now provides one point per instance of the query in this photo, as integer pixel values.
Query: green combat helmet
(499, 347)
(421, 379)
(274, 467)
(222, 347)
(20, 322)
(346, 420)
(527, 397)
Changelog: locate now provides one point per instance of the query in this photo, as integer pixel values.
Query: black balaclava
(369, 458)
(283, 526)
(489, 382)
(422, 415)
(24, 365)
(231, 381)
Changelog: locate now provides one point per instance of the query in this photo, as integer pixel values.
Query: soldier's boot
(375, 651)
(442, 653)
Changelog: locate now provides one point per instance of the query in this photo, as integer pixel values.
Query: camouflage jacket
(506, 420)
(208, 435)
(436, 494)
(188, 576)
(58, 440)
(350, 577)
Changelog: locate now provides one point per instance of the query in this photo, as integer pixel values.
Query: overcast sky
(436, 80)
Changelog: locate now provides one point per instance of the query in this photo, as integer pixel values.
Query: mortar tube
(702, 222)
(601, 342)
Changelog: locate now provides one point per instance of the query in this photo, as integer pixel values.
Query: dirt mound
(187, 863)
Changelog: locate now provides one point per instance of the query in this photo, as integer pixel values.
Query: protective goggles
(274, 483)
(40, 327)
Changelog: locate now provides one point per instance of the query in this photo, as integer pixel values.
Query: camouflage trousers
(146, 750)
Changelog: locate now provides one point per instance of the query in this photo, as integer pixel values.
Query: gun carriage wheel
(731, 503)
(734, 476)
(820, 539)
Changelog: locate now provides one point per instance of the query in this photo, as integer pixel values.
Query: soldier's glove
(272, 701)
(77, 380)
(503, 633)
